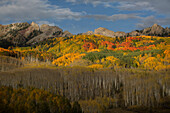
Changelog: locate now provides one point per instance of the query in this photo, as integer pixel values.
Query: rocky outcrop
(155, 30)
(21, 34)
(134, 33)
(32, 31)
(67, 34)
(167, 31)
(11, 33)
(120, 34)
(104, 31)
(12, 28)
(88, 33)
(47, 32)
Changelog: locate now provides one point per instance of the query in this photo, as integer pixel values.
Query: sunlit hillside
(96, 51)
(100, 73)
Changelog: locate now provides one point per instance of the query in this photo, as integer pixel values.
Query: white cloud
(24, 10)
(42, 10)
(160, 7)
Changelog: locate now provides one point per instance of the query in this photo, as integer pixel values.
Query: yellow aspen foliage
(110, 61)
(93, 50)
(166, 59)
(142, 59)
(97, 61)
(125, 53)
(65, 60)
(162, 45)
(152, 63)
(136, 62)
(96, 66)
(167, 54)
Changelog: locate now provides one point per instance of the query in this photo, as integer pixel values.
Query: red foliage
(129, 39)
(108, 44)
(89, 46)
(151, 45)
(124, 44)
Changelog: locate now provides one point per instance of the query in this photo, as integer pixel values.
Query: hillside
(102, 74)
(24, 34)
(95, 90)
(98, 51)
(155, 30)
(84, 56)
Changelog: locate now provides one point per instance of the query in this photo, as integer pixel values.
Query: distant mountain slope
(22, 34)
(155, 30)
(105, 32)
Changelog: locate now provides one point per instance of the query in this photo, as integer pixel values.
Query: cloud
(149, 21)
(41, 11)
(25, 10)
(130, 6)
(160, 6)
(143, 21)
(114, 17)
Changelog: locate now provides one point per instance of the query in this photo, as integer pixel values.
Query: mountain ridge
(24, 34)
(155, 30)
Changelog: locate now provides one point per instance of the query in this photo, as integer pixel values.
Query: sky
(78, 16)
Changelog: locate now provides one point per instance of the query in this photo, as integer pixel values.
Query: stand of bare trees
(9, 63)
(126, 87)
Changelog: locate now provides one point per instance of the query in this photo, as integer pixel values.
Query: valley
(92, 73)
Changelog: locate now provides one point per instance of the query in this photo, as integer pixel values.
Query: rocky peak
(35, 26)
(119, 34)
(47, 32)
(104, 31)
(18, 26)
(47, 28)
(67, 34)
(21, 34)
(156, 30)
(44, 27)
(155, 25)
(134, 33)
(88, 33)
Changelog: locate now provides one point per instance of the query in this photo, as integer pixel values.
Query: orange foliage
(124, 44)
(130, 39)
(108, 44)
(89, 46)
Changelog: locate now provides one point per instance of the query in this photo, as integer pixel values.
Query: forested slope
(99, 72)
(96, 51)
(97, 90)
